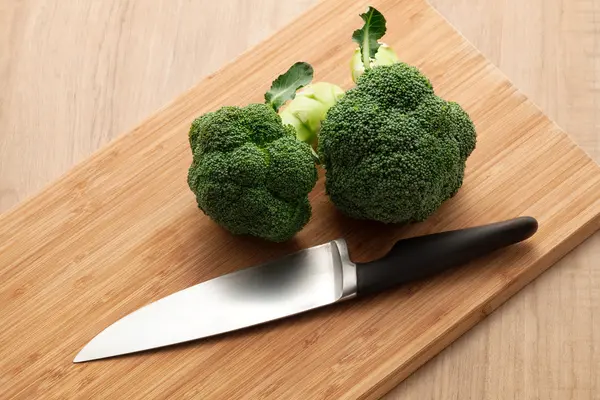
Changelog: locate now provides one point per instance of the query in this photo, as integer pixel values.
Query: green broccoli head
(249, 173)
(394, 151)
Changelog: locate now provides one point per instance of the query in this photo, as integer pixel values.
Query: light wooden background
(76, 74)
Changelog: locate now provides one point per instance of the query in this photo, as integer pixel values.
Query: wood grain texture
(543, 343)
(574, 382)
(72, 78)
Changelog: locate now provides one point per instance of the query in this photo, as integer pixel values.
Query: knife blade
(312, 278)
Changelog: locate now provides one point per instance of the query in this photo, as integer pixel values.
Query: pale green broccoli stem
(367, 37)
(384, 56)
(366, 51)
(309, 108)
(370, 52)
(285, 86)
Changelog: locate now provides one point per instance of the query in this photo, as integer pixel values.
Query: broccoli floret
(252, 168)
(393, 151)
(249, 173)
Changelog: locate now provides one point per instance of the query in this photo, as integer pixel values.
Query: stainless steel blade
(299, 282)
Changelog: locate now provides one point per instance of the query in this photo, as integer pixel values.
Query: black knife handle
(420, 257)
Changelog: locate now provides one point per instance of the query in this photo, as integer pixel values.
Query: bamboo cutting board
(122, 229)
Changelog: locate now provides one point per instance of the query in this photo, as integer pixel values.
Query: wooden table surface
(74, 75)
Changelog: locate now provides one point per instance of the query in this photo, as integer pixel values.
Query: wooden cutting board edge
(509, 80)
(386, 383)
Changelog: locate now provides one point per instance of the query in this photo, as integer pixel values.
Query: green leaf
(369, 34)
(285, 86)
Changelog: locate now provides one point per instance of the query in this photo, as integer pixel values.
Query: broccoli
(308, 109)
(249, 172)
(385, 55)
(393, 151)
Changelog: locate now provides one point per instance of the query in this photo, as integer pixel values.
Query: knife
(302, 281)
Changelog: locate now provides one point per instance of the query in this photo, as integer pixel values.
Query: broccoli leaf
(285, 86)
(369, 34)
